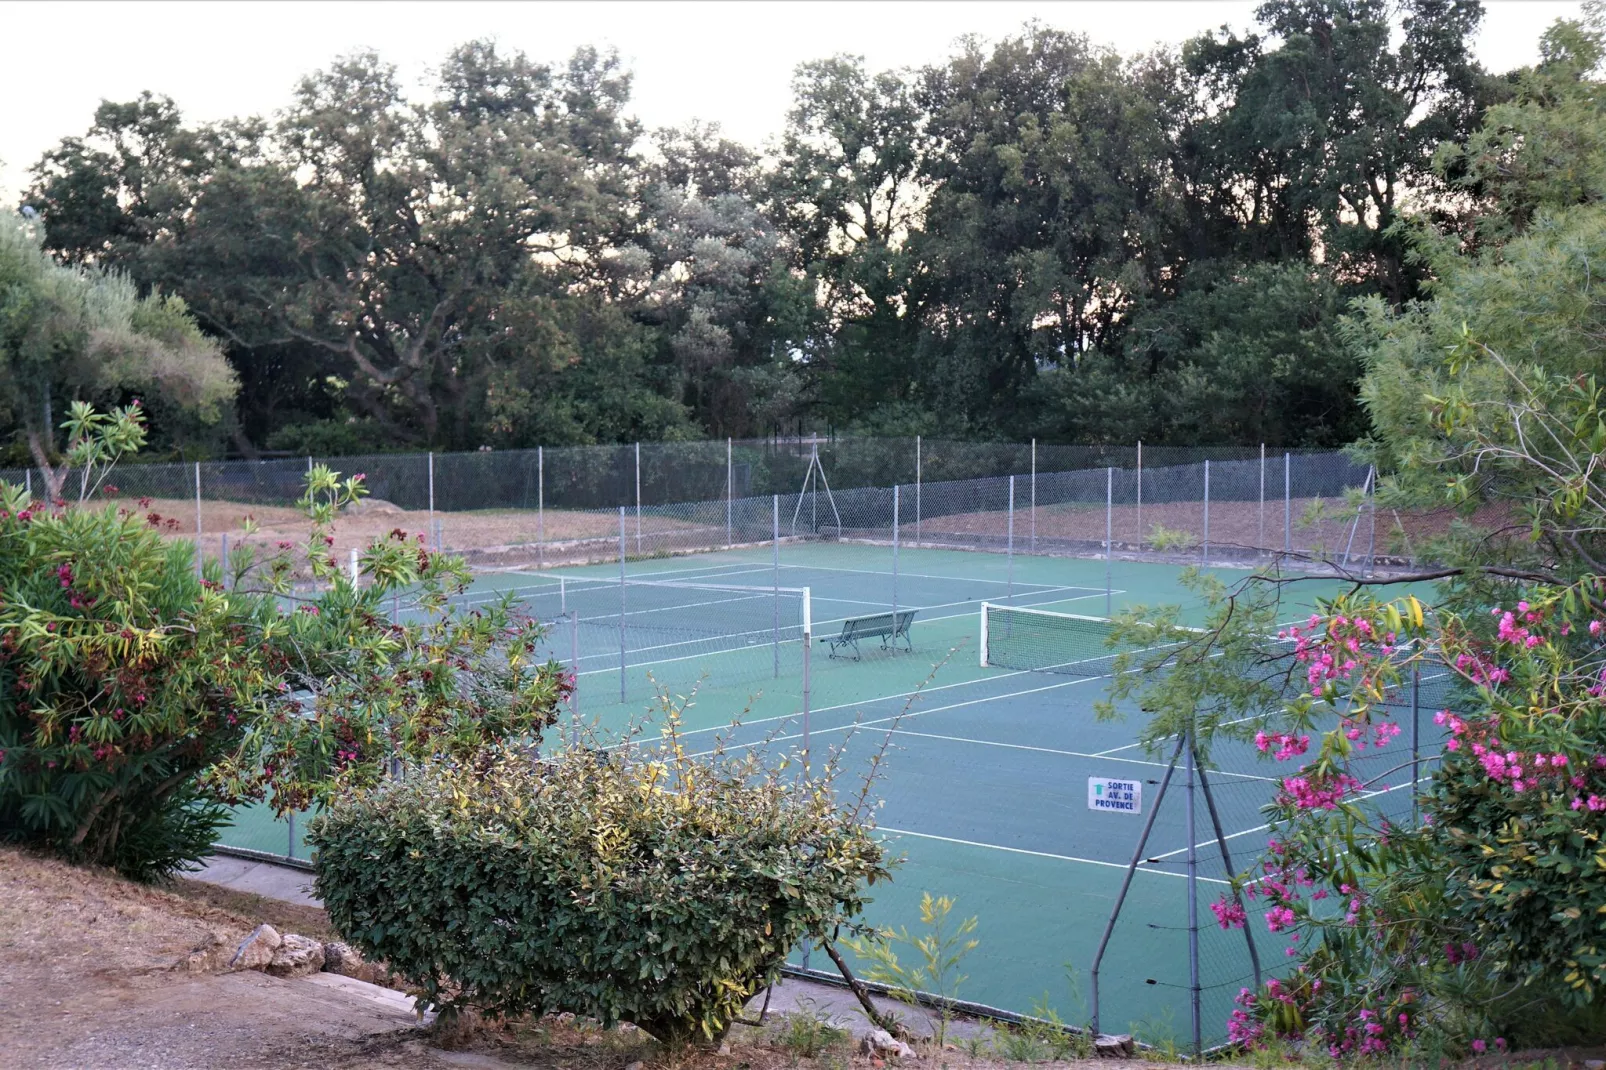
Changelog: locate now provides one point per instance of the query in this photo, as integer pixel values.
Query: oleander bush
(639, 885)
(138, 698)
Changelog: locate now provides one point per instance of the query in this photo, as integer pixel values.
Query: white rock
(296, 956)
(879, 1042)
(256, 950)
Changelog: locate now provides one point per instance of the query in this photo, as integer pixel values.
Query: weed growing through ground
(941, 949)
(806, 1034)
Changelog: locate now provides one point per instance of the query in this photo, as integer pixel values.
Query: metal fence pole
(638, 499)
(223, 558)
(1010, 576)
(1371, 520)
(1034, 496)
(574, 660)
(919, 511)
(197, 518)
(540, 507)
(1109, 539)
(808, 642)
(27, 482)
(895, 500)
(290, 841)
(1416, 737)
(623, 603)
(1260, 540)
(1205, 558)
(1139, 517)
(730, 493)
(1193, 905)
(1288, 503)
(775, 574)
(434, 533)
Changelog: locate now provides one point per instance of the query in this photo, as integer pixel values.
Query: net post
(623, 604)
(1126, 881)
(638, 499)
(919, 512)
(775, 576)
(1109, 539)
(1204, 559)
(808, 643)
(1288, 503)
(895, 518)
(353, 561)
(1034, 497)
(730, 493)
(985, 635)
(1260, 540)
(1010, 587)
(1193, 899)
(540, 507)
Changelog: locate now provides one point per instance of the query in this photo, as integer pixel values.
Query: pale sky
(727, 62)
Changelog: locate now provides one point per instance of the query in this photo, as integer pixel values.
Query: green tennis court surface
(986, 788)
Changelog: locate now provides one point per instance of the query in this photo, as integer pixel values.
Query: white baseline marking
(1038, 854)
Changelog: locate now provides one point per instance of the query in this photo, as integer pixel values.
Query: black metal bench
(884, 626)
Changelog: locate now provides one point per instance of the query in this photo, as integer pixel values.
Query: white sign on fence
(1115, 796)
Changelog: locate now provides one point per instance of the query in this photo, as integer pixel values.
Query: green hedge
(646, 887)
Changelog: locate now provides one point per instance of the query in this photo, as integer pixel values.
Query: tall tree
(83, 334)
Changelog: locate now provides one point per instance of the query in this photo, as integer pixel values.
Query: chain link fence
(520, 509)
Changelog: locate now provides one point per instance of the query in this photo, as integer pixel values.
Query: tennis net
(1038, 640)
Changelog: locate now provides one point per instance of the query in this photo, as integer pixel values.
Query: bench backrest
(877, 624)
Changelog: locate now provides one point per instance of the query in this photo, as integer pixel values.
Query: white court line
(1039, 854)
(909, 715)
(1237, 777)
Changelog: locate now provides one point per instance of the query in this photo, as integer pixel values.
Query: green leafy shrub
(634, 885)
(137, 698)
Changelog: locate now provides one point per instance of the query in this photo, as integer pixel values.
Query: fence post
(1109, 538)
(223, 559)
(1034, 496)
(540, 507)
(434, 533)
(1371, 519)
(1139, 517)
(775, 575)
(623, 603)
(1260, 540)
(638, 499)
(895, 500)
(808, 641)
(730, 493)
(1205, 559)
(1193, 905)
(1288, 503)
(1010, 575)
(27, 482)
(919, 512)
(355, 569)
(198, 518)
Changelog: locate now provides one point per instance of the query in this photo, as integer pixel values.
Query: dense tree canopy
(1033, 236)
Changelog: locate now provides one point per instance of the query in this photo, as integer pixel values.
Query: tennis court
(986, 787)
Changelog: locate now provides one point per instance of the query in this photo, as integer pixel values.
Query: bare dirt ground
(1318, 527)
(87, 962)
(487, 538)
